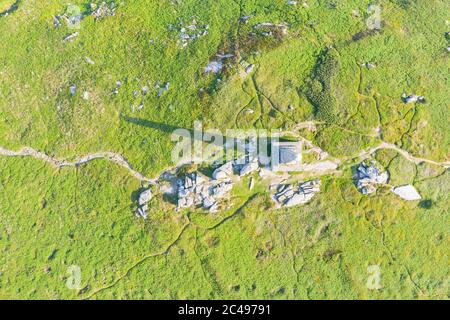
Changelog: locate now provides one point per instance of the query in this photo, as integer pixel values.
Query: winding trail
(121, 160)
(405, 154)
(60, 163)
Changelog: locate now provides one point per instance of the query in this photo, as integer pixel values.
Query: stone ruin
(368, 175)
(288, 195)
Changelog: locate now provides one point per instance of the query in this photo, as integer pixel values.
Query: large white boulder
(407, 192)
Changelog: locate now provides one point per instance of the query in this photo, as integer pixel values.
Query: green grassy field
(52, 219)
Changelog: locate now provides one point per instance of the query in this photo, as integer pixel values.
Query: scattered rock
(144, 199)
(407, 192)
(368, 176)
(103, 10)
(89, 60)
(71, 36)
(72, 19)
(56, 21)
(190, 32)
(73, 90)
(245, 18)
(249, 68)
(251, 184)
(162, 89)
(413, 98)
(369, 65)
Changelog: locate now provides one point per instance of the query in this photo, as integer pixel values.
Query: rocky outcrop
(290, 195)
(413, 98)
(368, 175)
(197, 190)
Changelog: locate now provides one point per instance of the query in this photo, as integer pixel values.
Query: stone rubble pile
(368, 176)
(290, 195)
(144, 199)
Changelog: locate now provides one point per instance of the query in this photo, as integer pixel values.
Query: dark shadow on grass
(196, 135)
(11, 9)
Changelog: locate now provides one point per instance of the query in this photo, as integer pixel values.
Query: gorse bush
(320, 86)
